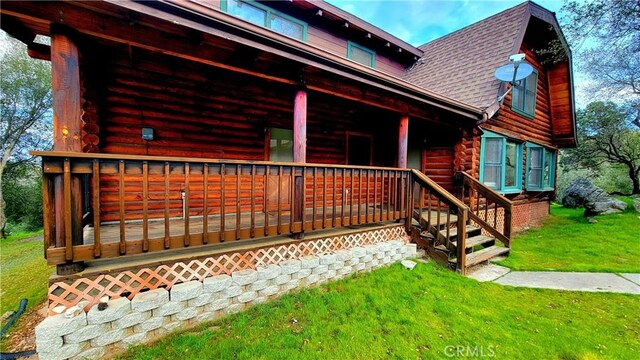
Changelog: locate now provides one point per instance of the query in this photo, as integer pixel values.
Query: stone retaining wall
(154, 313)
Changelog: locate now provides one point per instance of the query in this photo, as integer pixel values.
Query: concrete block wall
(155, 313)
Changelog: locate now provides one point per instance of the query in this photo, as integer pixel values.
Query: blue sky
(418, 22)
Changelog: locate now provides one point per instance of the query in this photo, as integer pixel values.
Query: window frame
(522, 111)
(224, 7)
(503, 189)
(351, 44)
(550, 185)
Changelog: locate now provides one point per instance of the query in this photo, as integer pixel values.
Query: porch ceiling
(226, 46)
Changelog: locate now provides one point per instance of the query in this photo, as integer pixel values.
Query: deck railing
(435, 211)
(488, 209)
(107, 205)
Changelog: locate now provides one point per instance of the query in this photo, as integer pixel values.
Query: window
(264, 16)
(501, 163)
(523, 99)
(281, 145)
(361, 54)
(541, 168)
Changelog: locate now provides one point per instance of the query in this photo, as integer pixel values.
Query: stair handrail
(505, 237)
(449, 198)
(462, 211)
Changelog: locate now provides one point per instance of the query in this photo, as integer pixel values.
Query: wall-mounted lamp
(147, 133)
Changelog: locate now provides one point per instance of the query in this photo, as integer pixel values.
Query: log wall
(197, 111)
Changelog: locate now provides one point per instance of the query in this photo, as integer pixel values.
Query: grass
(400, 314)
(24, 271)
(568, 242)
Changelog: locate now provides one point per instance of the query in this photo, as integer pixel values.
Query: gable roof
(461, 64)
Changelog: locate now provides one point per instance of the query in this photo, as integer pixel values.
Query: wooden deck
(352, 215)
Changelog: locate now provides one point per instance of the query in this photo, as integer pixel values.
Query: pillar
(403, 141)
(67, 130)
(299, 152)
(300, 126)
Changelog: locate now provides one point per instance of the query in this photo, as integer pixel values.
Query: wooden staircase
(443, 247)
(462, 231)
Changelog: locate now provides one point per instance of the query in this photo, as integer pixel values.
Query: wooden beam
(39, 51)
(67, 131)
(300, 126)
(16, 29)
(403, 141)
(65, 78)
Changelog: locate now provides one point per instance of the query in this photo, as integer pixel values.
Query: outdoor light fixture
(517, 70)
(147, 133)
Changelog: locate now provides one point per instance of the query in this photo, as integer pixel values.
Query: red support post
(403, 141)
(67, 131)
(300, 127)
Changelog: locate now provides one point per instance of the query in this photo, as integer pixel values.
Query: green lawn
(567, 242)
(24, 272)
(395, 313)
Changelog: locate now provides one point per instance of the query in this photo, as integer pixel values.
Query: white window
(280, 144)
(262, 15)
(541, 164)
(501, 163)
(523, 99)
(361, 54)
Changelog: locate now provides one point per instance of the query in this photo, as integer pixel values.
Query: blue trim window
(501, 163)
(523, 98)
(541, 166)
(262, 15)
(361, 54)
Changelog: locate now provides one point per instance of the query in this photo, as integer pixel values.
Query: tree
(25, 103)
(606, 135)
(605, 34)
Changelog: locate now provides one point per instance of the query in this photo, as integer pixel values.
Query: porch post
(67, 132)
(300, 126)
(299, 154)
(403, 141)
(65, 78)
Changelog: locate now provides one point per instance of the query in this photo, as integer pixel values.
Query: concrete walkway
(573, 281)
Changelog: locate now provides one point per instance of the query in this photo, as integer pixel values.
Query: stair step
(442, 248)
(454, 231)
(475, 241)
(435, 215)
(479, 256)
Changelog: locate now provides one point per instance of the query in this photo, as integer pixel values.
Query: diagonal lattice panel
(130, 283)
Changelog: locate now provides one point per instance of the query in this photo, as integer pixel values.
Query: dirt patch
(22, 336)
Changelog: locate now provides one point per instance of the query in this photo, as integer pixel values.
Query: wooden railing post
(507, 223)
(462, 240)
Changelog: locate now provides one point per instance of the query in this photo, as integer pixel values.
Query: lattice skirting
(529, 215)
(524, 216)
(87, 291)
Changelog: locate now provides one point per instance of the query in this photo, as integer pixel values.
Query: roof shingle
(461, 65)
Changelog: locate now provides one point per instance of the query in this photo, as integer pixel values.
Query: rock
(186, 291)
(591, 220)
(408, 264)
(595, 200)
(636, 202)
(149, 300)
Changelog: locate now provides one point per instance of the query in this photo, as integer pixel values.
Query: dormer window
(523, 99)
(265, 16)
(361, 54)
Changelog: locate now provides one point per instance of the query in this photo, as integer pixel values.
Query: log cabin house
(255, 132)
